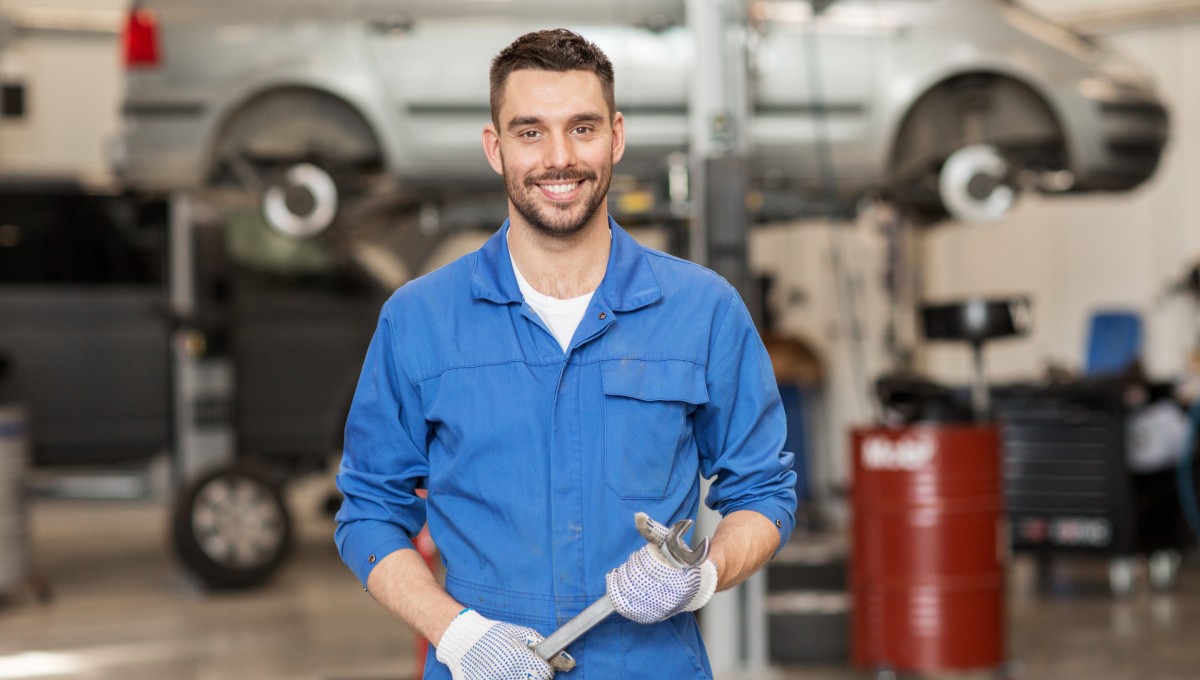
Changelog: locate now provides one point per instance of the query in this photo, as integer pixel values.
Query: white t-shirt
(562, 317)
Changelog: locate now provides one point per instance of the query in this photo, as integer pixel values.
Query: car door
(83, 322)
(298, 341)
(434, 57)
(296, 318)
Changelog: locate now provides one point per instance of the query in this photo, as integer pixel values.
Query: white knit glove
(647, 589)
(478, 648)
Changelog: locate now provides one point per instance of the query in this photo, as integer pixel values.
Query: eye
(582, 130)
(529, 134)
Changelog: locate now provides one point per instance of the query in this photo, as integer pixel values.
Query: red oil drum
(929, 548)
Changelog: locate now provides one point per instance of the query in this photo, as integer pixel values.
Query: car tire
(231, 529)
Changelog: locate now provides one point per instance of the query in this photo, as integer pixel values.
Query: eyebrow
(577, 118)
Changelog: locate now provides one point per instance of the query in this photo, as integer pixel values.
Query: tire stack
(14, 460)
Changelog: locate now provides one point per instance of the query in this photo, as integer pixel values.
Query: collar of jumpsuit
(562, 316)
(536, 459)
(628, 283)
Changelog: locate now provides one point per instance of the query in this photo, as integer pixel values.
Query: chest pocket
(647, 424)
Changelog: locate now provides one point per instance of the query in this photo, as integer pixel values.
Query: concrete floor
(122, 609)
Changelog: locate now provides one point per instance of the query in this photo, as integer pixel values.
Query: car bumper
(1122, 139)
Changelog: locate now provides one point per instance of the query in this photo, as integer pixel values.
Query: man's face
(555, 146)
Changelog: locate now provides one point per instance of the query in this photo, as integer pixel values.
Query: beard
(558, 220)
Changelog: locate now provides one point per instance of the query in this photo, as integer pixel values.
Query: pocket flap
(668, 380)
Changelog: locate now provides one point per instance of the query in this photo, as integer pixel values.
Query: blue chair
(1114, 342)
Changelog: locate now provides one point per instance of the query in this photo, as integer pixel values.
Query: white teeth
(560, 188)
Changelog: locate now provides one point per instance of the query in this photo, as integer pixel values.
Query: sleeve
(383, 462)
(741, 430)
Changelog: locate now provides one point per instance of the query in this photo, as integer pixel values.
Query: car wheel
(306, 155)
(969, 146)
(231, 529)
(300, 201)
(976, 184)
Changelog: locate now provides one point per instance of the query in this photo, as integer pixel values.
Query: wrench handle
(573, 629)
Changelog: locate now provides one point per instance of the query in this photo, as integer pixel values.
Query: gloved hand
(478, 648)
(647, 589)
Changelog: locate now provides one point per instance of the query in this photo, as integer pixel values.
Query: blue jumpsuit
(536, 460)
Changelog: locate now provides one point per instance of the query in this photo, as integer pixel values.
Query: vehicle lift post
(202, 385)
(734, 623)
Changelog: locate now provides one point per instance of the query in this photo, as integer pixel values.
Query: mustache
(560, 176)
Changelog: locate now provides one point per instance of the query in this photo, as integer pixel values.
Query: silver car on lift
(942, 106)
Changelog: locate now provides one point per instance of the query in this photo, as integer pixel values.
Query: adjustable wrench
(674, 550)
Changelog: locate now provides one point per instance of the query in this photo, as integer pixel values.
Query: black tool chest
(1066, 484)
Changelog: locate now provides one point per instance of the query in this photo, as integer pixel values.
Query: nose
(560, 152)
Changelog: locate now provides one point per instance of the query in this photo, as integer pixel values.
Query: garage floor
(121, 609)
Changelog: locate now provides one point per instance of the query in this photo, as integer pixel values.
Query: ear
(491, 148)
(618, 137)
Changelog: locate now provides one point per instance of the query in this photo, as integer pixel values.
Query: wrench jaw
(676, 552)
(561, 662)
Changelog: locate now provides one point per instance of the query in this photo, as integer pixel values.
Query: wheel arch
(907, 115)
(333, 110)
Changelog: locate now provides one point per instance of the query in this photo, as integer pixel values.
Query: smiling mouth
(561, 188)
(560, 191)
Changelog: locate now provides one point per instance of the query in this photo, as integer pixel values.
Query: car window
(64, 236)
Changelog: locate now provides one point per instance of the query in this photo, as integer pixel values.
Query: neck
(561, 267)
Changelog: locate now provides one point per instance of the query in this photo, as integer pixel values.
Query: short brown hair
(551, 50)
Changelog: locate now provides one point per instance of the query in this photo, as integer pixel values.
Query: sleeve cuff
(783, 519)
(365, 543)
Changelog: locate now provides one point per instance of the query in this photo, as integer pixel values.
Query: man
(547, 388)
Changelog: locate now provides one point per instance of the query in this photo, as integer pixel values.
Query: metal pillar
(719, 112)
(733, 622)
(202, 374)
